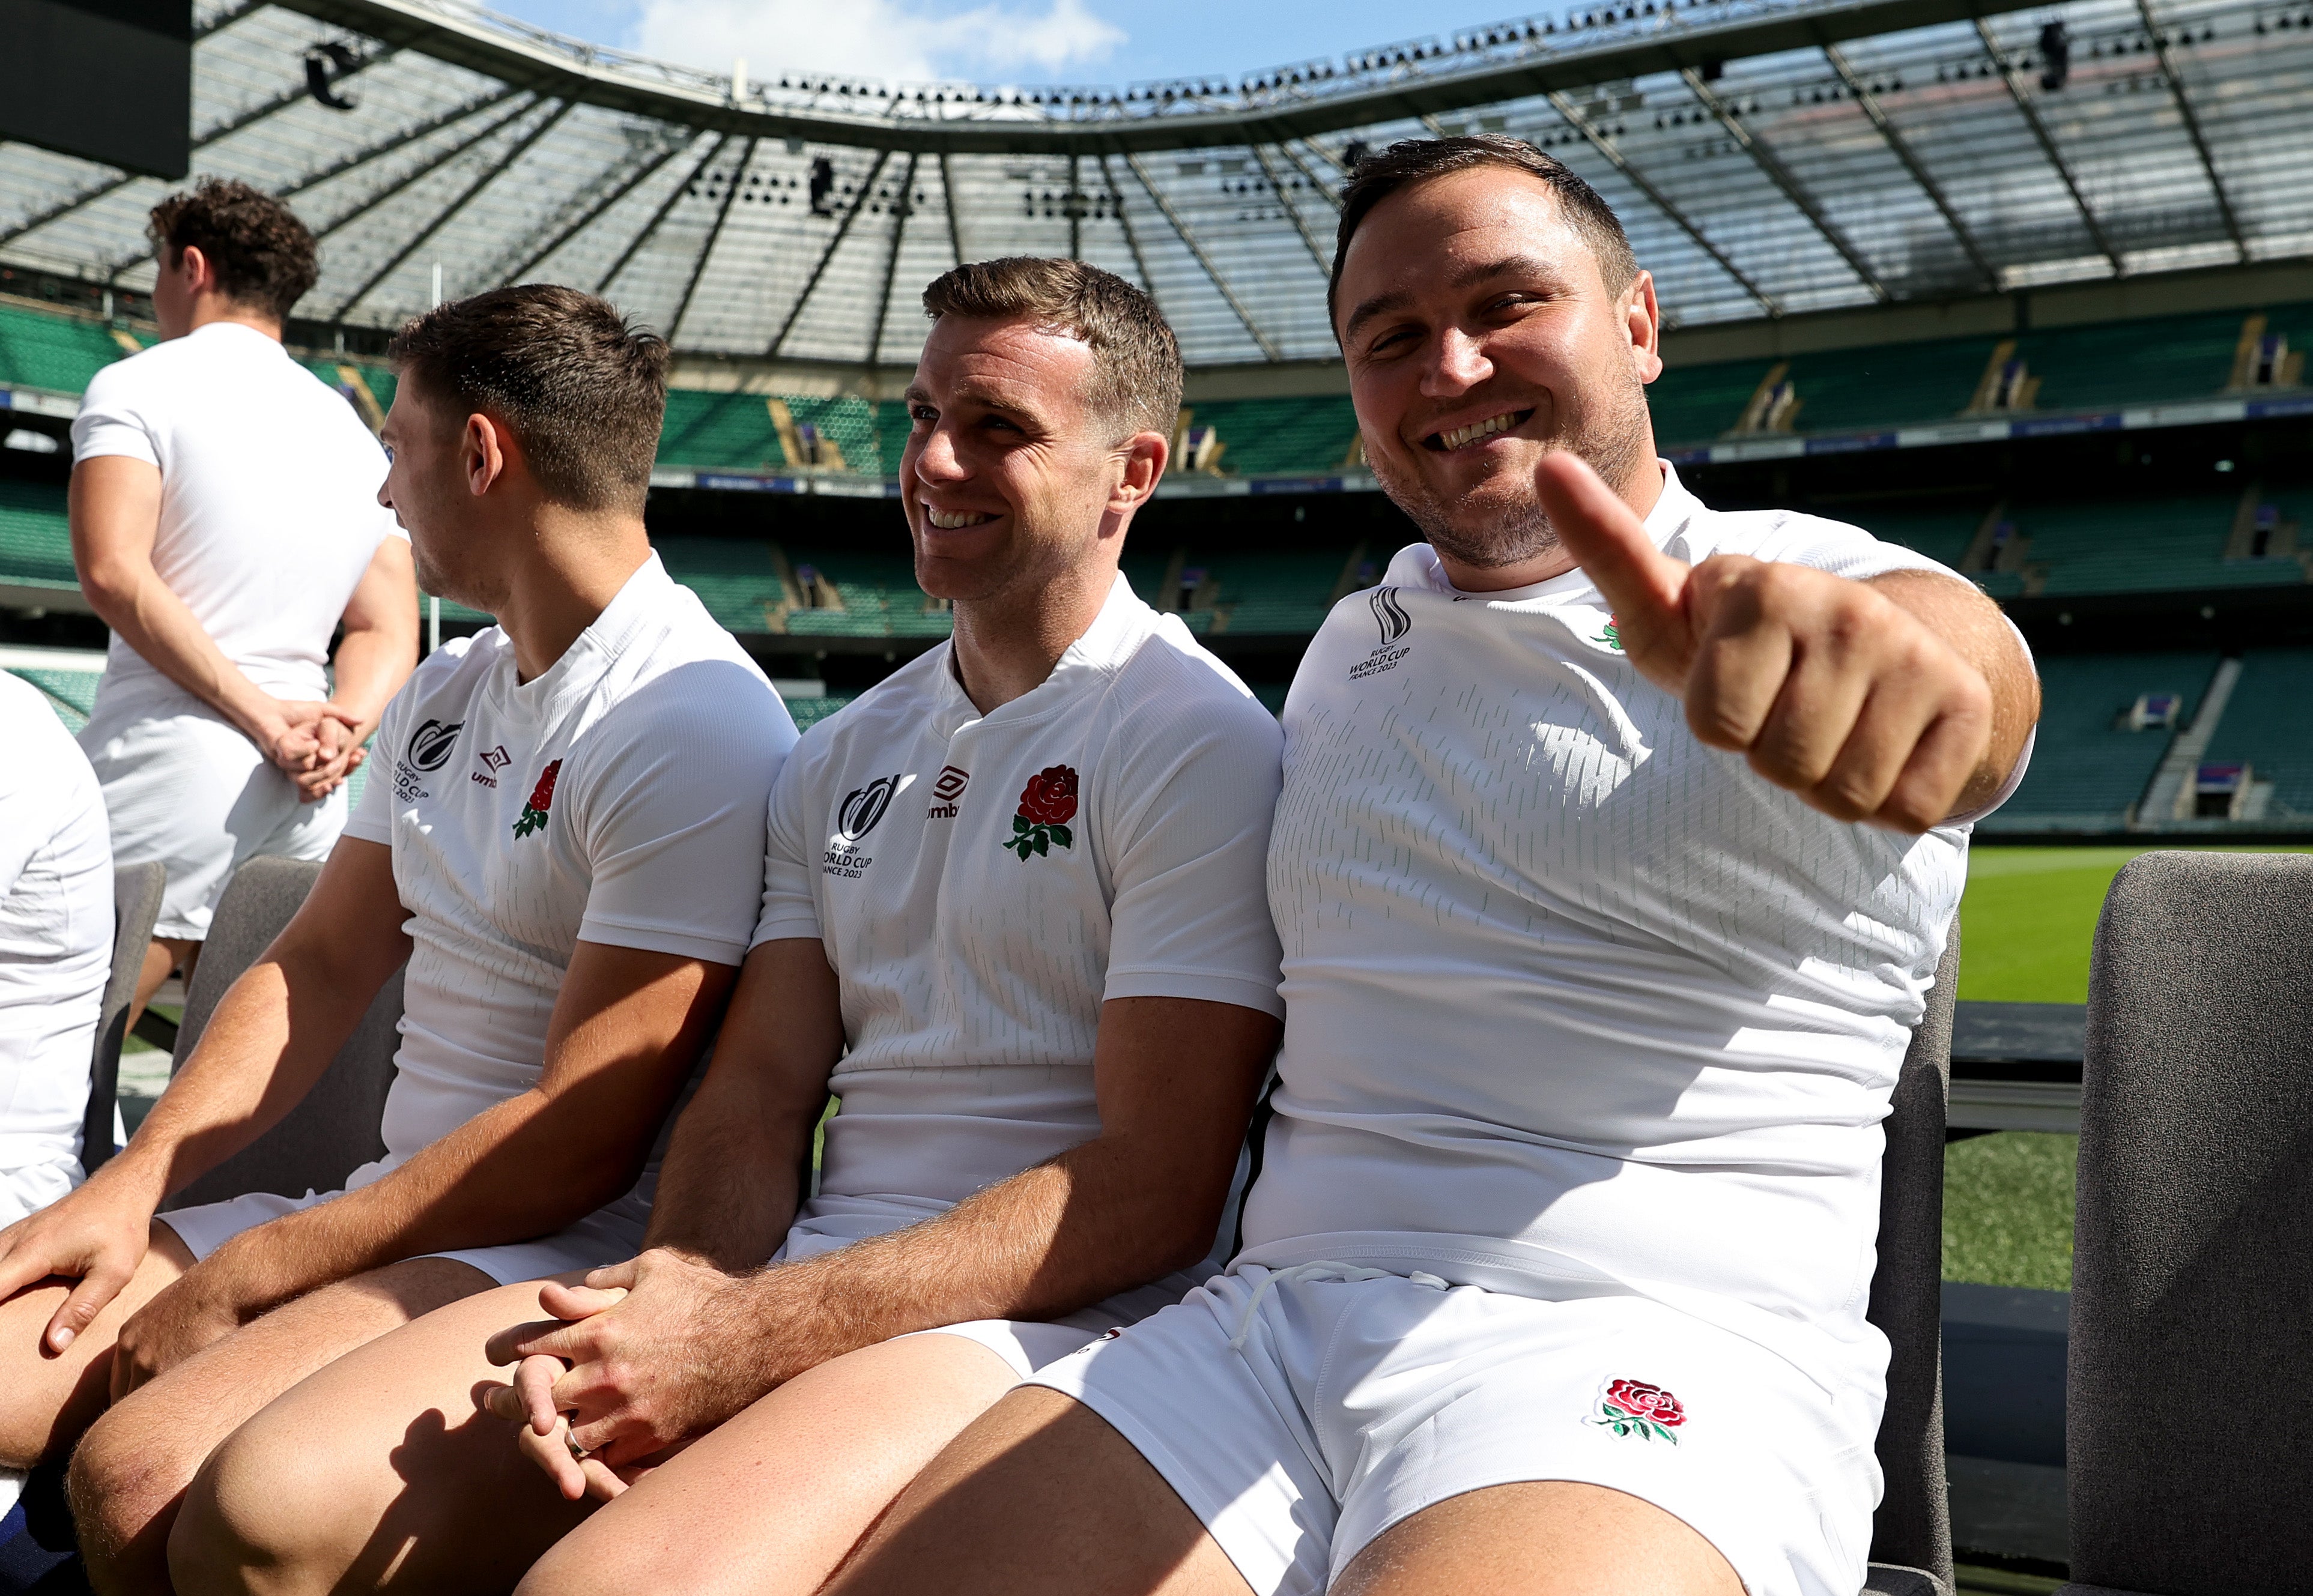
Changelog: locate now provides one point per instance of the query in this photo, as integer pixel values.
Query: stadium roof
(1768, 156)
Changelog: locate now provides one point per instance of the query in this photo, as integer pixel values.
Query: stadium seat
(333, 1130)
(2189, 1340)
(136, 891)
(1911, 1533)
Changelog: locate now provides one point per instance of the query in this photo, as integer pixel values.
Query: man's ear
(484, 450)
(1643, 318)
(200, 275)
(1144, 456)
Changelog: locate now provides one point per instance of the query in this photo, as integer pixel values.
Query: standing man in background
(225, 525)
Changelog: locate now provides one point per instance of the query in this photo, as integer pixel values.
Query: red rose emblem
(1641, 1401)
(1050, 798)
(541, 796)
(1047, 804)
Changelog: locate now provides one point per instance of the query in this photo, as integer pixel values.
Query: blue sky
(1010, 42)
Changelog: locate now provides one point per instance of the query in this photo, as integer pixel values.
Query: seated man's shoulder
(1173, 682)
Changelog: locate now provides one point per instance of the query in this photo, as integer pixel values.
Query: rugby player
(224, 526)
(1618, 844)
(1014, 919)
(563, 839)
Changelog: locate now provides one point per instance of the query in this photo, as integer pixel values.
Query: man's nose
(938, 460)
(1459, 362)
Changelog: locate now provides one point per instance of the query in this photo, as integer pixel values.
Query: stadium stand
(59, 352)
(35, 538)
(2088, 767)
(2265, 727)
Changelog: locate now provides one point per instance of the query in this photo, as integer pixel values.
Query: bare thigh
(1040, 1497)
(768, 1503)
(131, 1470)
(48, 1398)
(1549, 1538)
(377, 1472)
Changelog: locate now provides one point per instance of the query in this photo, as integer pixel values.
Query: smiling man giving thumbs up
(1618, 844)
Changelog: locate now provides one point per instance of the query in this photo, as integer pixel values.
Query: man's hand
(647, 1354)
(310, 740)
(96, 1235)
(1827, 686)
(183, 1318)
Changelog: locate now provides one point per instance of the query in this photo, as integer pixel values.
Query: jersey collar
(1123, 624)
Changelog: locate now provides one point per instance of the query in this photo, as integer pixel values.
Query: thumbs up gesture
(1827, 686)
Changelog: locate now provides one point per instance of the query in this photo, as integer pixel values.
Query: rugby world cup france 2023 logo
(1390, 616)
(861, 808)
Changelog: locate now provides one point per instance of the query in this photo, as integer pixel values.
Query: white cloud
(890, 40)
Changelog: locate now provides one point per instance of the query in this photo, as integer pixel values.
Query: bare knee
(124, 1474)
(253, 1519)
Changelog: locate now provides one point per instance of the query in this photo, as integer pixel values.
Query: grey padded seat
(1911, 1534)
(334, 1129)
(136, 890)
(2191, 1329)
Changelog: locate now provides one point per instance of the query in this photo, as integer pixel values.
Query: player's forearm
(1973, 627)
(130, 597)
(273, 1034)
(370, 667)
(729, 1187)
(1060, 1236)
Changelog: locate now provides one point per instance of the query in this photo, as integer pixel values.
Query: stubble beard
(1611, 439)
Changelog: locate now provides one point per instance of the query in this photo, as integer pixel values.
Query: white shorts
(1026, 1345)
(190, 791)
(608, 1235)
(1354, 1404)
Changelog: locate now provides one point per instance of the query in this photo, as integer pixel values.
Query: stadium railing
(2194, 1224)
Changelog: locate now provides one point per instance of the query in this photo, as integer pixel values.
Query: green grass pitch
(2027, 924)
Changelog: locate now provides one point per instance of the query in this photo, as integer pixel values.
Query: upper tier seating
(52, 350)
(2085, 769)
(2265, 726)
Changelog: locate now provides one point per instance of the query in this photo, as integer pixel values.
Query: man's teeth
(948, 520)
(1483, 429)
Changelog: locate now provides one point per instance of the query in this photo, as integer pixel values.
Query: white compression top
(618, 798)
(55, 929)
(268, 504)
(972, 973)
(1575, 1003)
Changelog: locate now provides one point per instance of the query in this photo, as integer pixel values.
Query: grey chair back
(333, 1130)
(136, 891)
(1911, 1534)
(2191, 1328)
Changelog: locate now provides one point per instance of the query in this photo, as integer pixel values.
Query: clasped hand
(316, 743)
(633, 1365)
(1827, 686)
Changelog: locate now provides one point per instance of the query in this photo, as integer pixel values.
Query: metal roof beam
(666, 206)
(1131, 239)
(1566, 64)
(1784, 179)
(489, 174)
(714, 233)
(2192, 128)
(225, 129)
(424, 169)
(842, 230)
(947, 204)
(1902, 150)
(2047, 140)
(594, 212)
(1565, 107)
(1220, 283)
(899, 213)
(1277, 186)
(1302, 165)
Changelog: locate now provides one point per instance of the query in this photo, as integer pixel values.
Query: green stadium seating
(880, 598)
(2085, 771)
(50, 349)
(1941, 535)
(2119, 546)
(1280, 436)
(729, 432)
(35, 537)
(2265, 725)
(809, 711)
(738, 581)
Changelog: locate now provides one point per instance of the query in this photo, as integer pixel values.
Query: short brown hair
(263, 254)
(1136, 359)
(1416, 160)
(581, 388)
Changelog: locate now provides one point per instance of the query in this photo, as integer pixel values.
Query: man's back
(268, 510)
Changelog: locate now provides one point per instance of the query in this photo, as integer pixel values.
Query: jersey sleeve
(788, 907)
(1193, 790)
(669, 807)
(112, 421)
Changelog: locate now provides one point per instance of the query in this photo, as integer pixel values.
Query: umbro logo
(493, 761)
(945, 790)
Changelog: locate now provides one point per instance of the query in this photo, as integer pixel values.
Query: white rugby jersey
(618, 798)
(983, 884)
(1574, 1002)
(56, 931)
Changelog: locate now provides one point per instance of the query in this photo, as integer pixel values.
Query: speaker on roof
(104, 80)
(2056, 56)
